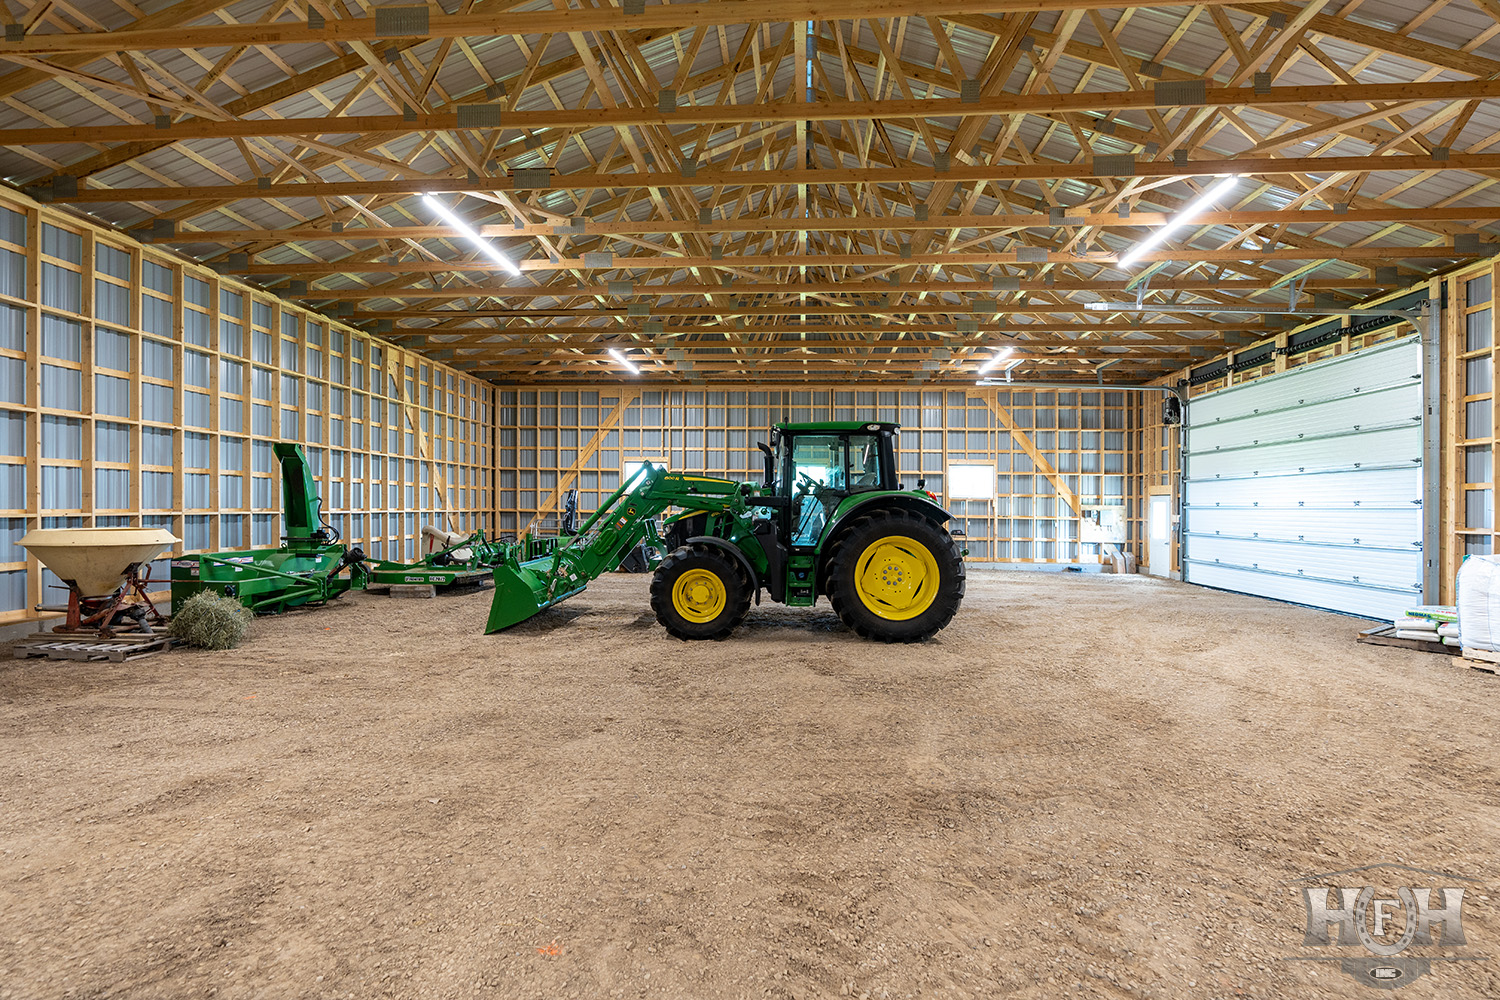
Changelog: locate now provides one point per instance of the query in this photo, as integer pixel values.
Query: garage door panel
(1363, 448)
(1307, 486)
(1339, 376)
(1355, 563)
(1341, 490)
(1323, 526)
(1322, 419)
(1350, 598)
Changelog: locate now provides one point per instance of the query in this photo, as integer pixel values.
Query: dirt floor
(1086, 786)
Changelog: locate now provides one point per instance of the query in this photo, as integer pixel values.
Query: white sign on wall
(971, 482)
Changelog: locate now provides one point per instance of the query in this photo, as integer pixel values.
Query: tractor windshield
(819, 457)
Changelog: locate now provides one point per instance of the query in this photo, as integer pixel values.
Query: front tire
(895, 576)
(699, 592)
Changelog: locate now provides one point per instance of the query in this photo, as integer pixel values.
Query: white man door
(1159, 538)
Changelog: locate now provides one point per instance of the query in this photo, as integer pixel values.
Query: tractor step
(801, 576)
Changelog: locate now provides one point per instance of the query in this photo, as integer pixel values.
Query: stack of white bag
(1431, 622)
(1479, 602)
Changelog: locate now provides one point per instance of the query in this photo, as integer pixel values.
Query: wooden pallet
(88, 646)
(1385, 635)
(1486, 660)
(85, 634)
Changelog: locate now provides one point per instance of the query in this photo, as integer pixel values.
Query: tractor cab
(817, 465)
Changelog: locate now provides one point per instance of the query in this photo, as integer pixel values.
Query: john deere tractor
(828, 520)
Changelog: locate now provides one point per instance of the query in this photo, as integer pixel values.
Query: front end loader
(829, 520)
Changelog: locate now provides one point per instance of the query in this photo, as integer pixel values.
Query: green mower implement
(468, 561)
(307, 569)
(829, 520)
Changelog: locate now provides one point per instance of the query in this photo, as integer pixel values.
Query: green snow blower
(307, 569)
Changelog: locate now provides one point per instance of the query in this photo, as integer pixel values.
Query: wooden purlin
(1481, 163)
(894, 260)
(616, 116)
(972, 291)
(565, 481)
(857, 260)
(441, 24)
(596, 227)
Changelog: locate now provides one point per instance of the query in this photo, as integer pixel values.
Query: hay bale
(211, 621)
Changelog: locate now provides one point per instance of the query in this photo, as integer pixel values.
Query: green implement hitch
(307, 569)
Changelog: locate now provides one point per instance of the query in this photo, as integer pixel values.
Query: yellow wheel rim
(699, 596)
(896, 577)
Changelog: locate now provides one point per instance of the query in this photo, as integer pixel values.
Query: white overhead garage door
(1307, 486)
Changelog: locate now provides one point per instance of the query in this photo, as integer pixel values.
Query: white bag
(1479, 601)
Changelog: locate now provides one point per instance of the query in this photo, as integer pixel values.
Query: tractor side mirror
(770, 478)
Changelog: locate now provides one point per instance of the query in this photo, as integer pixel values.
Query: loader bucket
(523, 590)
(536, 573)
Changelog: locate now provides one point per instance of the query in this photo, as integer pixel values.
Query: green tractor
(829, 520)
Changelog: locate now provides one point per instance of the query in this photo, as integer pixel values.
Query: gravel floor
(1086, 786)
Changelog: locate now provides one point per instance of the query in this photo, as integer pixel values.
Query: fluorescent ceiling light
(1098, 306)
(1005, 369)
(619, 356)
(998, 357)
(485, 246)
(1194, 209)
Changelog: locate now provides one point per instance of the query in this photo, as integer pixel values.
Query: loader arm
(623, 521)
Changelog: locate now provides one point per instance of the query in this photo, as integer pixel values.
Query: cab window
(820, 457)
(864, 463)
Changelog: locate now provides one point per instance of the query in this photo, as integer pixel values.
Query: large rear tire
(699, 592)
(895, 576)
